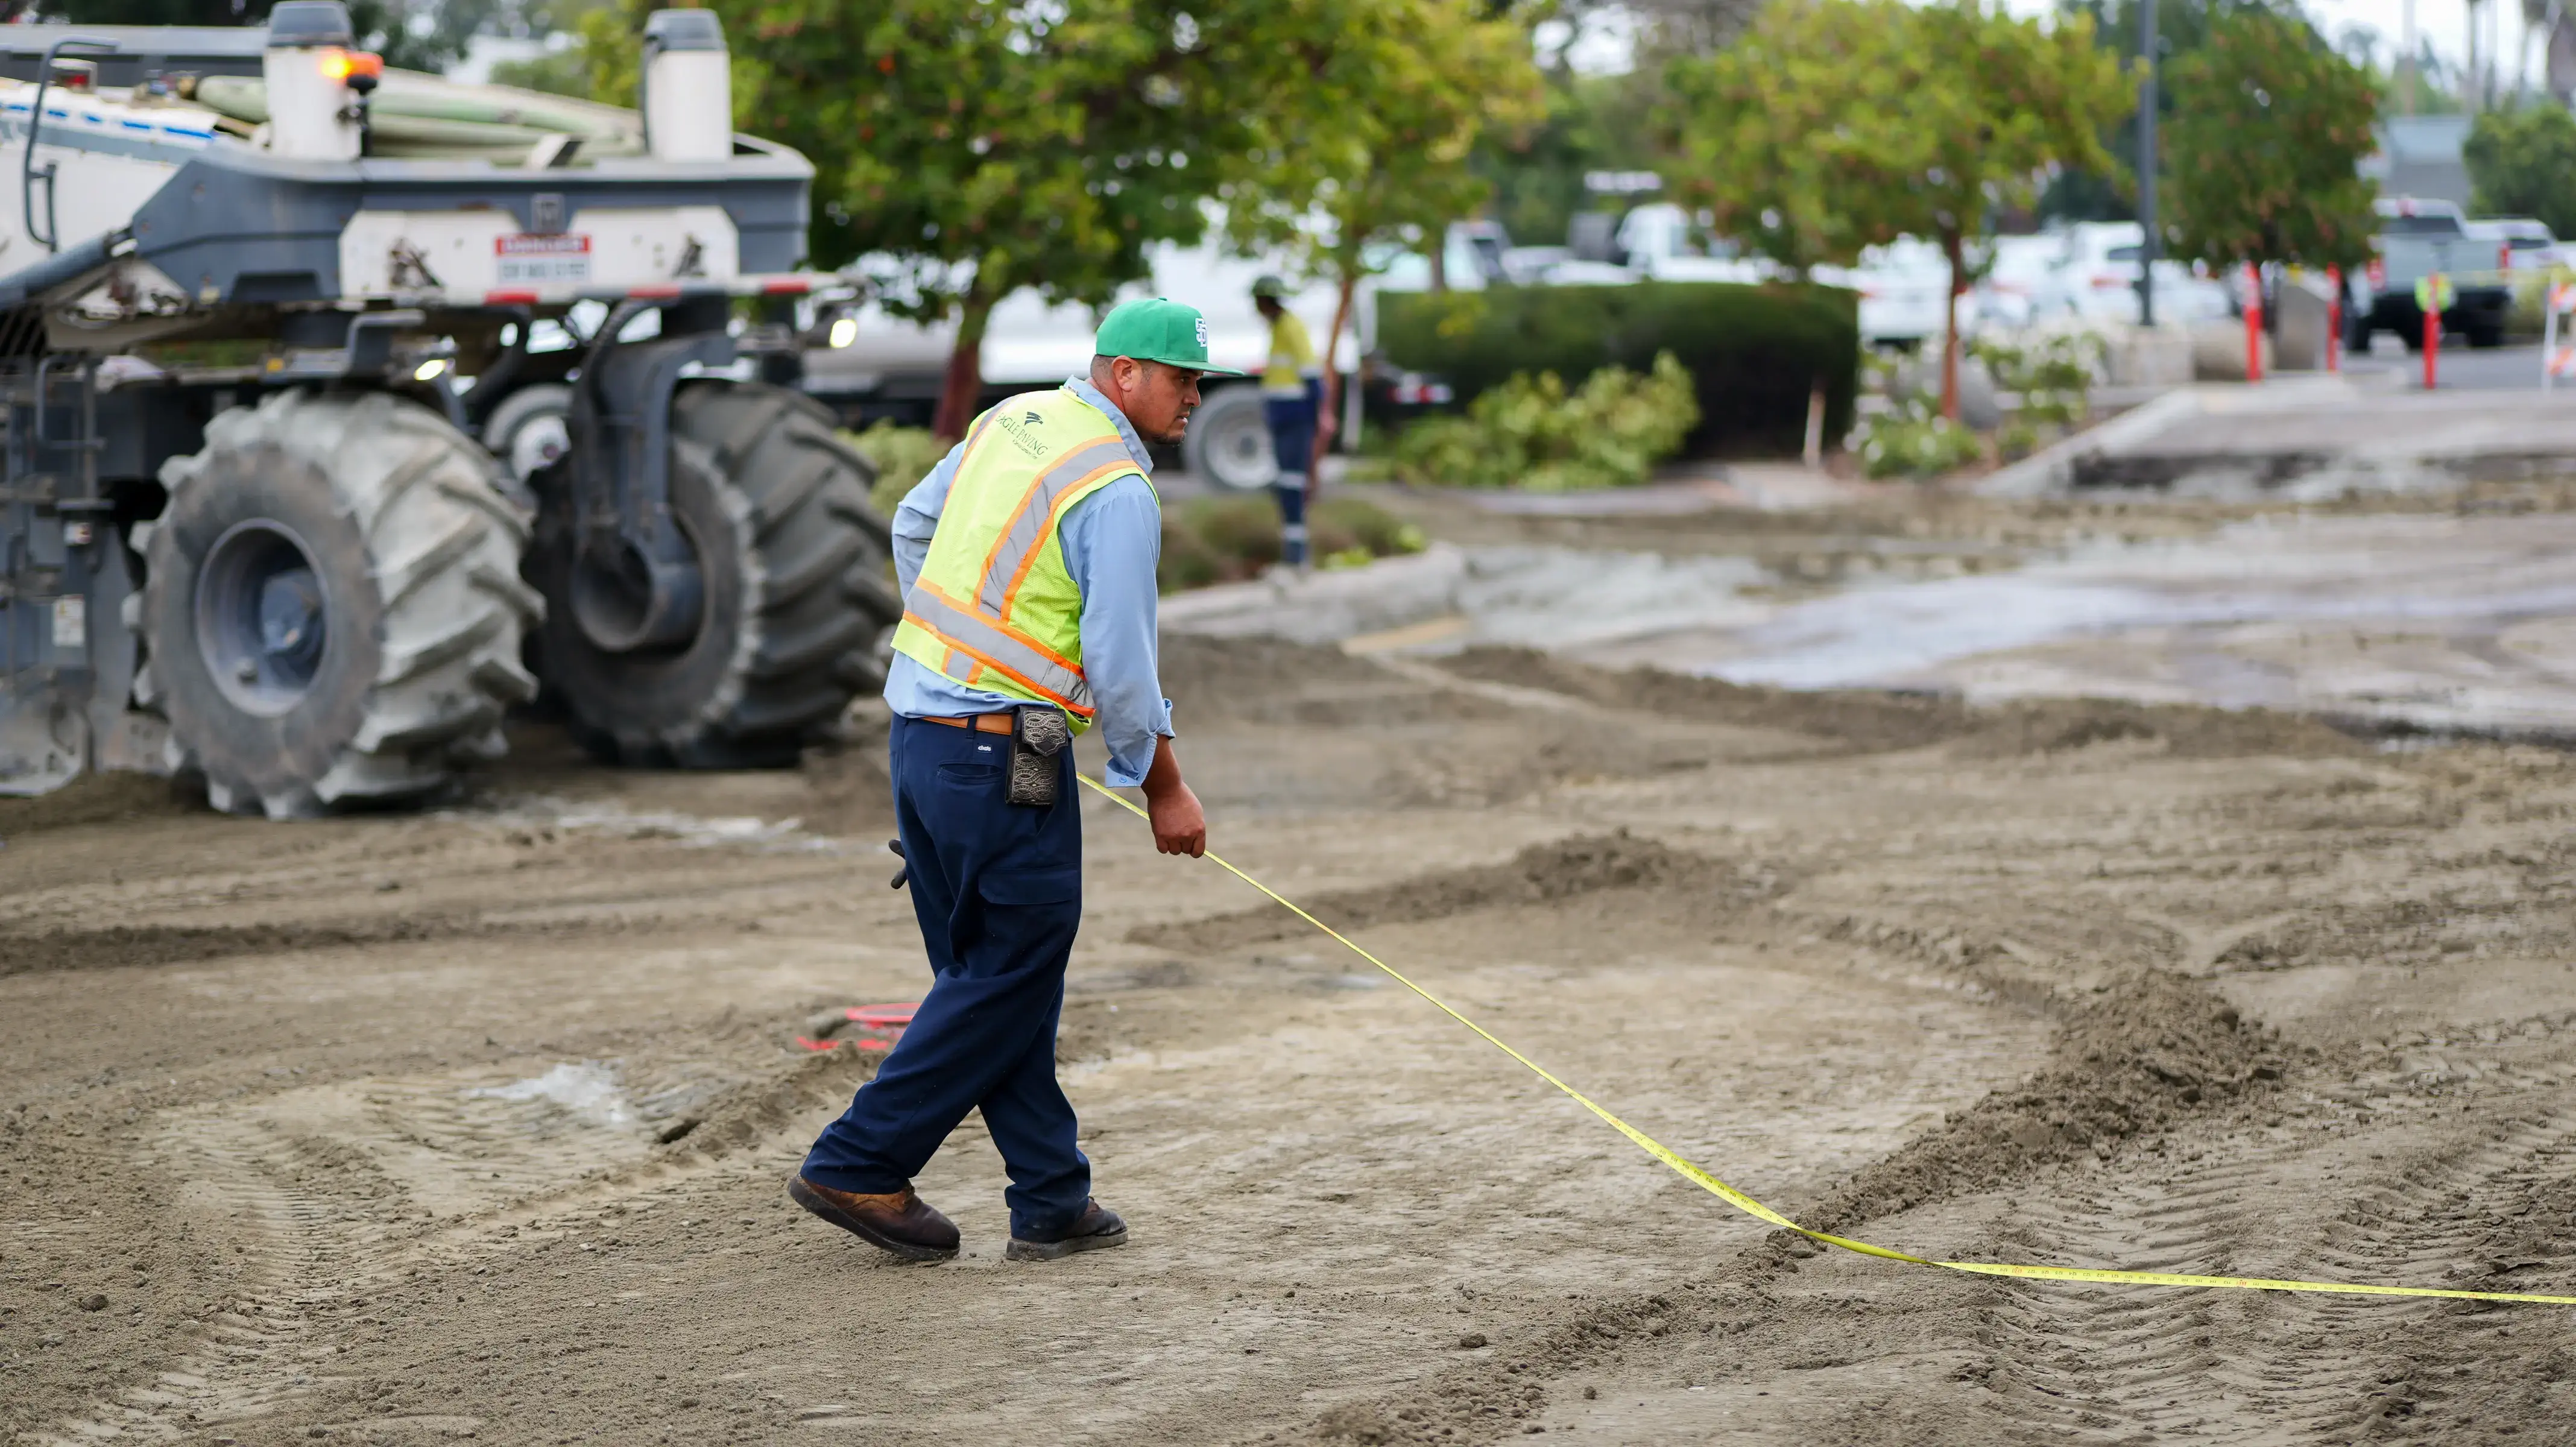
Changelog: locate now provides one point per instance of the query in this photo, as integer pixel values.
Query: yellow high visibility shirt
(1292, 358)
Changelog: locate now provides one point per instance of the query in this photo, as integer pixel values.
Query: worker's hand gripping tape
(1037, 736)
(1751, 1207)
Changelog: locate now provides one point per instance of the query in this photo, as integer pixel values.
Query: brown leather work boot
(1097, 1228)
(898, 1221)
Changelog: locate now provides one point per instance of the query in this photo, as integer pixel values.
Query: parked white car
(1666, 243)
(2024, 284)
(1903, 287)
(2099, 282)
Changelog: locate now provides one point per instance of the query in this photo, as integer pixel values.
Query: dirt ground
(475, 1123)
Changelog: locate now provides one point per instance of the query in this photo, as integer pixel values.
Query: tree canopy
(963, 150)
(1834, 126)
(2522, 162)
(2269, 125)
(1376, 141)
(1373, 141)
(2182, 28)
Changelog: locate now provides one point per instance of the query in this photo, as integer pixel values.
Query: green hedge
(1753, 352)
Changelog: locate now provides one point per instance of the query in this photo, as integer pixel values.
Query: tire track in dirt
(2145, 1054)
(256, 1349)
(2103, 1364)
(338, 1195)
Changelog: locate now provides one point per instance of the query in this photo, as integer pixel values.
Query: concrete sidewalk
(2308, 437)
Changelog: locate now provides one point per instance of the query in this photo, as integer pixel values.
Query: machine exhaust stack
(309, 62)
(688, 87)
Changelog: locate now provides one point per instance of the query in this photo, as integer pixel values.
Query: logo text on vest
(1021, 436)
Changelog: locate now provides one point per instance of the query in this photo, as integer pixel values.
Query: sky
(1604, 46)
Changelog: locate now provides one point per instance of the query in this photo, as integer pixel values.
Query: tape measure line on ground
(1757, 1210)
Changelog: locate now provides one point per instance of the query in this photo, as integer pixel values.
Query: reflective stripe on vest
(1008, 564)
(995, 646)
(995, 606)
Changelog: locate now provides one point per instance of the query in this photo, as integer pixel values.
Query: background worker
(1292, 397)
(1027, 561)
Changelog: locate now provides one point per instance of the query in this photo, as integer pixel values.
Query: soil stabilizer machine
(348, 409)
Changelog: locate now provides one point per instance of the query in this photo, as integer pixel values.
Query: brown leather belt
(982, 723)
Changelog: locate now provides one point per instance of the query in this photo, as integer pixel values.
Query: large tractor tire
(1228, 444)
(796, 593)
(333, 611)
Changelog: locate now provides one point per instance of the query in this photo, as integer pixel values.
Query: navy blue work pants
(1292, 443)
(998, 890)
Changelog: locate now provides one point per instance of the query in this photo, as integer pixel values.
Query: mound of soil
(97, 799)
(1536, 875)
(1271, 680)
(2145, 1050)
(2150, 1048)
(115, 946)
(749, 1114)
(847, 791)
(1872, 721)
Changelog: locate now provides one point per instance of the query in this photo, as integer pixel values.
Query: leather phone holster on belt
(1037, 736)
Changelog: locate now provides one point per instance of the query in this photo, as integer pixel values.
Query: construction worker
(1026, 560)
(1292, 398)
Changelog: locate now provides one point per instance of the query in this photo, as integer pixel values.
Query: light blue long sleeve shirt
(1112, 541)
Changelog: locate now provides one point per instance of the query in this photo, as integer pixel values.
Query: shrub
(2528, 314)
(902, 456)
(1754, 353)
(1227, 539)
(2053, 372)
(1530, 433)
(1913, 439)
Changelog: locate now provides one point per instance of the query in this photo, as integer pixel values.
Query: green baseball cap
(1151, 329)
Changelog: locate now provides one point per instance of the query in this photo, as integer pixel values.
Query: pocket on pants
(971, 776)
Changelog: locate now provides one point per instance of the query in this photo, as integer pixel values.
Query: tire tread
(444, 562)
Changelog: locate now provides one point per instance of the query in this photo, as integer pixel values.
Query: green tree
(1834, 126)
(1591, 123)
(2522, 162)
(2269, 125)
(1373, 146)
(2182, 27)
(964, 149)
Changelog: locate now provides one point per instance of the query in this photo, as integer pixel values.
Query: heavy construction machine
(348, 409)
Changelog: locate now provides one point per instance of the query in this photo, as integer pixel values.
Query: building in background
(2420, 156)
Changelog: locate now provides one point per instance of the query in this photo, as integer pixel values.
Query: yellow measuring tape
(1756, 1209)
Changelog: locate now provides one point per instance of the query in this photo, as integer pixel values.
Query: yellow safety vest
(995, 606)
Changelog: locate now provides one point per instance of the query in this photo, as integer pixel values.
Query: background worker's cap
(1270, 286)
(1151, 329)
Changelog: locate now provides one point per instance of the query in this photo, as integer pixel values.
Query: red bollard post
(2432, 344)
(2334, 321)
(2253, 323)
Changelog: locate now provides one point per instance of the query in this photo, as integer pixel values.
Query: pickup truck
(2412, 245)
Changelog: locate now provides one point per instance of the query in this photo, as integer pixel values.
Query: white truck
(892, 368)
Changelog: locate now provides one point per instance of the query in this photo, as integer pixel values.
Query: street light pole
(2406, 61)
(2151, 246)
